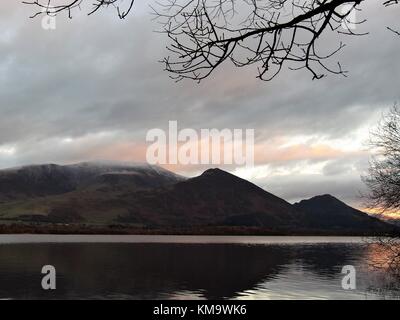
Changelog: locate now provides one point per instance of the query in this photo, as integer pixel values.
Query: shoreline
(75, 229)
(178, 239)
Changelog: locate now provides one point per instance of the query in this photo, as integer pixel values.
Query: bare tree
(383, 181)
(271, 34)
(386, 255)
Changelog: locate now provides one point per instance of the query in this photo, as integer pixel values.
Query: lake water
(190, 267)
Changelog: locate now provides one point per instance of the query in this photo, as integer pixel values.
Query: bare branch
(394, 31)
(54, 7)
(270, 34)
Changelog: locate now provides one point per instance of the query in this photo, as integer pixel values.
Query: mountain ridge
(146, 197)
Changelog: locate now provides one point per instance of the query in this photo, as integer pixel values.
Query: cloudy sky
(93, 87)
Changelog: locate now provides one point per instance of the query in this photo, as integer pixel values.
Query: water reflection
(181, 271)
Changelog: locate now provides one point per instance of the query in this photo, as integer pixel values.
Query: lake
(190, 267)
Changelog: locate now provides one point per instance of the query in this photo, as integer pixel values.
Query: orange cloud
(266, 153)
(378, 212)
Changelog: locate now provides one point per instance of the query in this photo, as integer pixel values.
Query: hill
(328, 213)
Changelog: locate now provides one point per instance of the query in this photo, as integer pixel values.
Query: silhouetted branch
(204, 34)
(394, 31)
(390, 2)
(53, 7)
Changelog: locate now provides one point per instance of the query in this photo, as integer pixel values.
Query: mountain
(55, 193)
(213, 198)
(143, 197)
(51, 179)
(328, 213)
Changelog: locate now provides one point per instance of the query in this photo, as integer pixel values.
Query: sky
(93, 87)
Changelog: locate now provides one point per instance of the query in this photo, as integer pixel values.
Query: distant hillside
(146, 197)
(51, 179)
(328, 213)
